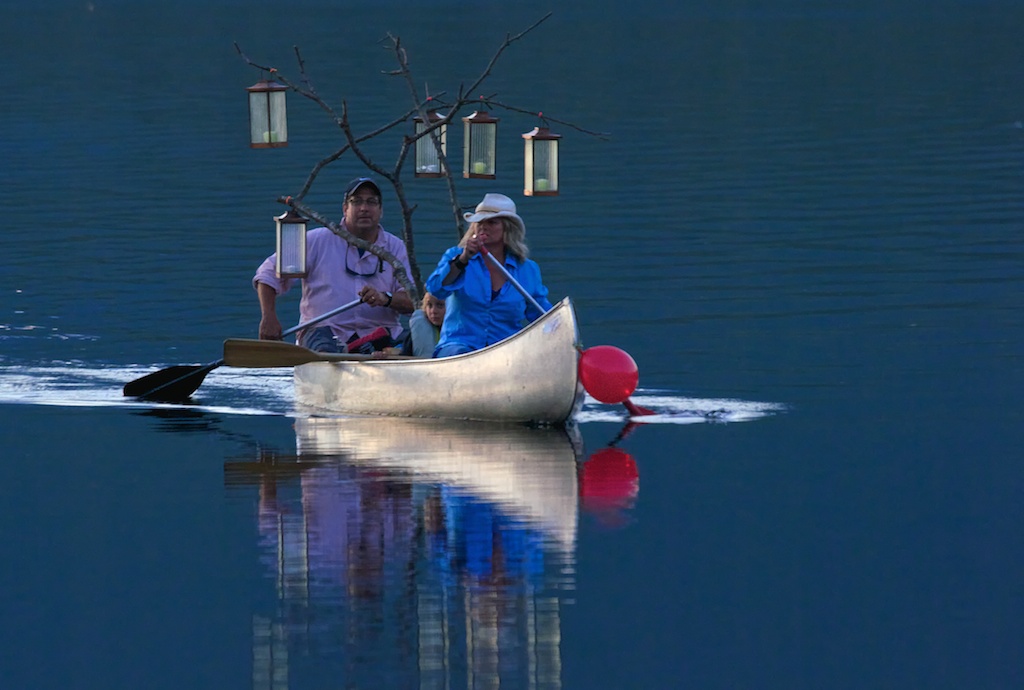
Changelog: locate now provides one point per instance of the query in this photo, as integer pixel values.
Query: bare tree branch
(509, 40)
(600, 135)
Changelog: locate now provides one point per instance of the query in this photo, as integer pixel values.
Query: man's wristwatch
(390, 297)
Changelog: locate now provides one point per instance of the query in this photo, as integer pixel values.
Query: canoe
(529, 377)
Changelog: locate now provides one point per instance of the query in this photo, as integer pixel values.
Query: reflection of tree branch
(466, 97)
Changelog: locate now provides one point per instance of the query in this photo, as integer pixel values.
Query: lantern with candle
(268, 119)
(291, 245)
(540, 161)
(428, 164)
(479, 148)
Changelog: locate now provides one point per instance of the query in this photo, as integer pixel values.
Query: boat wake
(72, 385)
(668, 408)
(271, 392)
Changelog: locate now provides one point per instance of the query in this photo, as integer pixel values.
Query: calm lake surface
(805, 225)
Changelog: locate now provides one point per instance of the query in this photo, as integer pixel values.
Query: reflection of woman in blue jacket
(487, 545)
(491, 571)
(482, 306)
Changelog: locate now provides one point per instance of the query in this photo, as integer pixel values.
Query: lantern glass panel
(268, 121)
(479, 154)
(541, 167)
(291, 248)
(277, 133)
(259, 116)
(427, 162)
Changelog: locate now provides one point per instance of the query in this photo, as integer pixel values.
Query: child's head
(433, 308)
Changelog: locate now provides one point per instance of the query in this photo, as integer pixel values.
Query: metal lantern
(428, 164)
(268, 120)
(541, 162)
(291, 245)
(479, 148)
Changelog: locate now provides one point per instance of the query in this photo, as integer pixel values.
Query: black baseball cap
(357, 183)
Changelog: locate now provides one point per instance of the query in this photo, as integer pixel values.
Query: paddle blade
(172, 384)
(609, 374)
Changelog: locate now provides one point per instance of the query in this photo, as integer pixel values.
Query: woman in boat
(483, 306)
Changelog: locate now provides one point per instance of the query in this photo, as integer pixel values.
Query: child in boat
(424, 330)
(425, 327)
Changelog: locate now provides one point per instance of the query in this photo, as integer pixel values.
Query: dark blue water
(805, 225)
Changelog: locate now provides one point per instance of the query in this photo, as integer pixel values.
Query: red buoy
(609, 374)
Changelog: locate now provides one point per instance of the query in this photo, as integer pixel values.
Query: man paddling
(339, 272)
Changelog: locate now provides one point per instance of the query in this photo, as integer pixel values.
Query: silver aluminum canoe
(530, 376)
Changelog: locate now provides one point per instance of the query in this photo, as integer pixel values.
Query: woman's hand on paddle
(270, 327)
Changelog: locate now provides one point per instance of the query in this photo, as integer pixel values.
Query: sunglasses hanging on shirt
(354, 272)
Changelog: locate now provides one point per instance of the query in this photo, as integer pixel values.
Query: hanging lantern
(479, 148)
(428, 164)
(268, 120)
(541, 162)
(291, 245)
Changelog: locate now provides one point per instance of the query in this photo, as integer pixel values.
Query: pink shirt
(336, 274)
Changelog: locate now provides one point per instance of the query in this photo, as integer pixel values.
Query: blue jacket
(472, 317)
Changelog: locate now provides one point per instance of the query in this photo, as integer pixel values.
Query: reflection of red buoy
(609, 484)
(609, 374)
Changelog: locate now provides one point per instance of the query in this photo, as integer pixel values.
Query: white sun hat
(496, 206)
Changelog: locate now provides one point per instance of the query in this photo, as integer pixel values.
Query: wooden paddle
(256, 354)
(612, 364)
(515, 283)
(177, 383)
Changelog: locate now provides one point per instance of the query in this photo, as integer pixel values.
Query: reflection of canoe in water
(528, 377)
(416, 553)
(530, 474)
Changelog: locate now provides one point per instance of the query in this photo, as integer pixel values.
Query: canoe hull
(528, 377)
